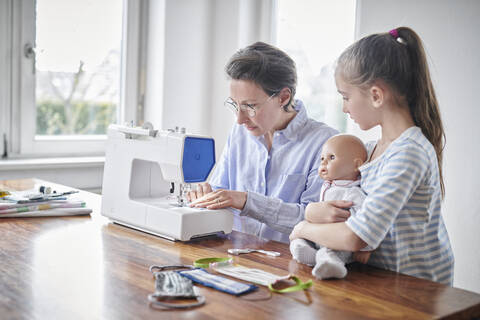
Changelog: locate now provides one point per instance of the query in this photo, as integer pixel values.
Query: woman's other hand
(202, 189)
(328, 211)
(221, 199)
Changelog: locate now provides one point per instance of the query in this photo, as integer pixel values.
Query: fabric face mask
(169, 285)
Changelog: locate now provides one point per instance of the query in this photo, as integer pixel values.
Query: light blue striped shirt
(402, 212)
(280, 183)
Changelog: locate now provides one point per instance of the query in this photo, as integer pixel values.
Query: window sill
(51, 163)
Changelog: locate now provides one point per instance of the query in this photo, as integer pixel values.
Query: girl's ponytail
(421, 97)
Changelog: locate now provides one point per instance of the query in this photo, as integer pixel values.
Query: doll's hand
(298, 230)
(328, 211)
(362, 256)
(221, 199)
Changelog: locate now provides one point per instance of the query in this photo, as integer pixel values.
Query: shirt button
(262, 184)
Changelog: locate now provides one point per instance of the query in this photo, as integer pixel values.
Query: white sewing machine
(147, 173)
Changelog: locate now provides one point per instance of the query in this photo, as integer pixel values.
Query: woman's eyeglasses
(249, 108)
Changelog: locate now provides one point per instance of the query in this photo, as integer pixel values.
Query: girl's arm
(336, 236)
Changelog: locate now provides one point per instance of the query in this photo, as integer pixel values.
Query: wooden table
(89, 268)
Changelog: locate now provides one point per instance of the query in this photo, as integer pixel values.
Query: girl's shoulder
(412, 143)
(410, 147)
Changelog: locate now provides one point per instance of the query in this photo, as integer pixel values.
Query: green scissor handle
(297, 287)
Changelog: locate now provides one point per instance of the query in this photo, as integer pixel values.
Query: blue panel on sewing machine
(198, 159)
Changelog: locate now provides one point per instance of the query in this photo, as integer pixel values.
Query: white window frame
(5, 72)
(21, 136)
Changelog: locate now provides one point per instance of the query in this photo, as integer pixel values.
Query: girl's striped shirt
(401, 216)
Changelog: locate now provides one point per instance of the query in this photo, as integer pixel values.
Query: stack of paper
(41, 205)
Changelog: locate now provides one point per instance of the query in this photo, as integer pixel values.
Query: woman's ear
(377, 96)
(285, 94)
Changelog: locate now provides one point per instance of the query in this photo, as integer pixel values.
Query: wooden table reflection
(88, 268)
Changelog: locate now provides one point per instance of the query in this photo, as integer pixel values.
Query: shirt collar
(292, 131)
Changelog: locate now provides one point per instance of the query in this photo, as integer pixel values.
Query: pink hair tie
(394, 33)
(396, 36)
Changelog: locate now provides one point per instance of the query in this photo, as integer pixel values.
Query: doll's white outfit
(329, 263)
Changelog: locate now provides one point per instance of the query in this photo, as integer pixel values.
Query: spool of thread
(4, 194)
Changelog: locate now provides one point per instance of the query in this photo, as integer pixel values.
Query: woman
(268, 169)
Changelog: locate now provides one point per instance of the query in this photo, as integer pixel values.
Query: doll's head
(342, 155)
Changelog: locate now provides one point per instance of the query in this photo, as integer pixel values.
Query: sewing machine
(147, 175)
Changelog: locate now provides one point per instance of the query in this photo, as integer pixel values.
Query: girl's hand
(202, 189)
(362, 256)
(328, 211)
(298, 230)
(221, 199)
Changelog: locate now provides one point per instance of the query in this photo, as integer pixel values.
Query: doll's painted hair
(398, 59)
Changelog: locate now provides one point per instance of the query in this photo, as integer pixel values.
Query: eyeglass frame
(250, 108)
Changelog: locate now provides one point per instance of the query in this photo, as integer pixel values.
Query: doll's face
(341, 156)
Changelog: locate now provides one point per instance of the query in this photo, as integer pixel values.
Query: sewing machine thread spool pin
(45, 190)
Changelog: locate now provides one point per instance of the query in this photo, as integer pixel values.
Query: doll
(341, 157)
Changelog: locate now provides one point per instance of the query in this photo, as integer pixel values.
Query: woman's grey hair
(269, 67)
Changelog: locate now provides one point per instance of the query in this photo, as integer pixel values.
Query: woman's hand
(202, 189)
(328, 211)
(221, 199)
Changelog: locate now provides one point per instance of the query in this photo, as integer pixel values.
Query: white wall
(449, 30)
(5, 19)
(180, 58)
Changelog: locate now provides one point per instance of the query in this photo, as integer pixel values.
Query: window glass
(314, 33)
(78, 50)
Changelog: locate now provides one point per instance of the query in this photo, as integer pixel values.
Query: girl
(384, 80)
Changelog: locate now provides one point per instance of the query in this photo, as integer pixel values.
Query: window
(69, 60)
(314, 34)
(77, 68)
